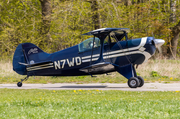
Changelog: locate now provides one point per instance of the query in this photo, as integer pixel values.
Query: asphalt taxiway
(97, 86)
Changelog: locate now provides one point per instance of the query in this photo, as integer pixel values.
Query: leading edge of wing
(104, 30)
(98, 67)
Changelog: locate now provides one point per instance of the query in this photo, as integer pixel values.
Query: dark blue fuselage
(68, 61)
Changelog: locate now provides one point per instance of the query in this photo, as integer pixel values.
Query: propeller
(158, 43)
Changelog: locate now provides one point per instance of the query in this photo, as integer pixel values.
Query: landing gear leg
(19, 84)
(129, 72)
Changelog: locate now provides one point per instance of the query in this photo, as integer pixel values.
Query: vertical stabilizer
(27, 53)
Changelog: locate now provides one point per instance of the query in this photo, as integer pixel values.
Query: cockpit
(114, 36)
(88, 44)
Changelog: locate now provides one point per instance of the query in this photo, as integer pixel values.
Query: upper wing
(105, 30)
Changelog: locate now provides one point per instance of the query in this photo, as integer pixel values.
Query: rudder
(27, 53)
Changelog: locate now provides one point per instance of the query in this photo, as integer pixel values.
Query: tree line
(57, 24)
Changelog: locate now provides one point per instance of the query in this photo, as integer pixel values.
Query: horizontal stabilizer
(98, 67)
(35, 64)
(24, 64)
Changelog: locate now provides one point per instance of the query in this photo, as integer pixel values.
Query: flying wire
(120, 46)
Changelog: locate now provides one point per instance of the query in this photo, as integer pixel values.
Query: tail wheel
(19, 84)
(133, 82)
(141, 81)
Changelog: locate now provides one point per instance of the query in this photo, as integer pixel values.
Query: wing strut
(121, 46)
(100, 65)
(92, 50)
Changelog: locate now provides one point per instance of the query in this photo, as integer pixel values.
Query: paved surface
(99, 86)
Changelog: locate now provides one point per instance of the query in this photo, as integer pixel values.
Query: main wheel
(133, 82)
(141, 81)
(19, 84)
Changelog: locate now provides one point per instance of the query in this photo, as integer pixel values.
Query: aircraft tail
(27, 54)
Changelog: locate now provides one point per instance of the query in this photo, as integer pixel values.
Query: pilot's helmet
(91, 44)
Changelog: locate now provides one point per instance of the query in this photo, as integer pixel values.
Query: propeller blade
(159, 42)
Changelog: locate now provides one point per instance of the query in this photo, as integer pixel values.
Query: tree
(126, 2)
(46, 20)
(174, 41)
(64, 21)
(95, 14)
(172, 50)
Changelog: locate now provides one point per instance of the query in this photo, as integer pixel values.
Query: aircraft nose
(159, 42)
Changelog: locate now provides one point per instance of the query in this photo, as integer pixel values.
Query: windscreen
(88, 44)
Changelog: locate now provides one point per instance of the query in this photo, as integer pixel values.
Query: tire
(19, 84)
(133, 82)
(141, 81)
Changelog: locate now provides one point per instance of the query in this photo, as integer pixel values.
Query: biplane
(107, 51)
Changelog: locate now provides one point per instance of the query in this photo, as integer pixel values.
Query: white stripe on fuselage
(44, 66)
(123, 52)
(143, 42)
(140, 50)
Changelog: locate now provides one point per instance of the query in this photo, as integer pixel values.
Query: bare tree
(126, 2)
(174, 41)
(95, 14)
(46, 17)
(175, 31)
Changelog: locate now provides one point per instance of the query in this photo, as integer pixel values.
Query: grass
(91, 104)
(152, 71)
(94, 104)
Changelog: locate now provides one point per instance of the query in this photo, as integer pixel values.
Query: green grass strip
(88, 104)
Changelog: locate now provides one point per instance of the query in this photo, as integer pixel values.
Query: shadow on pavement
(85, 87)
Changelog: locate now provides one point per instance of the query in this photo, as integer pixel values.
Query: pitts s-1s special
(107, 51)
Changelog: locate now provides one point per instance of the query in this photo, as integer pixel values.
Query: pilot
(91, 44)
